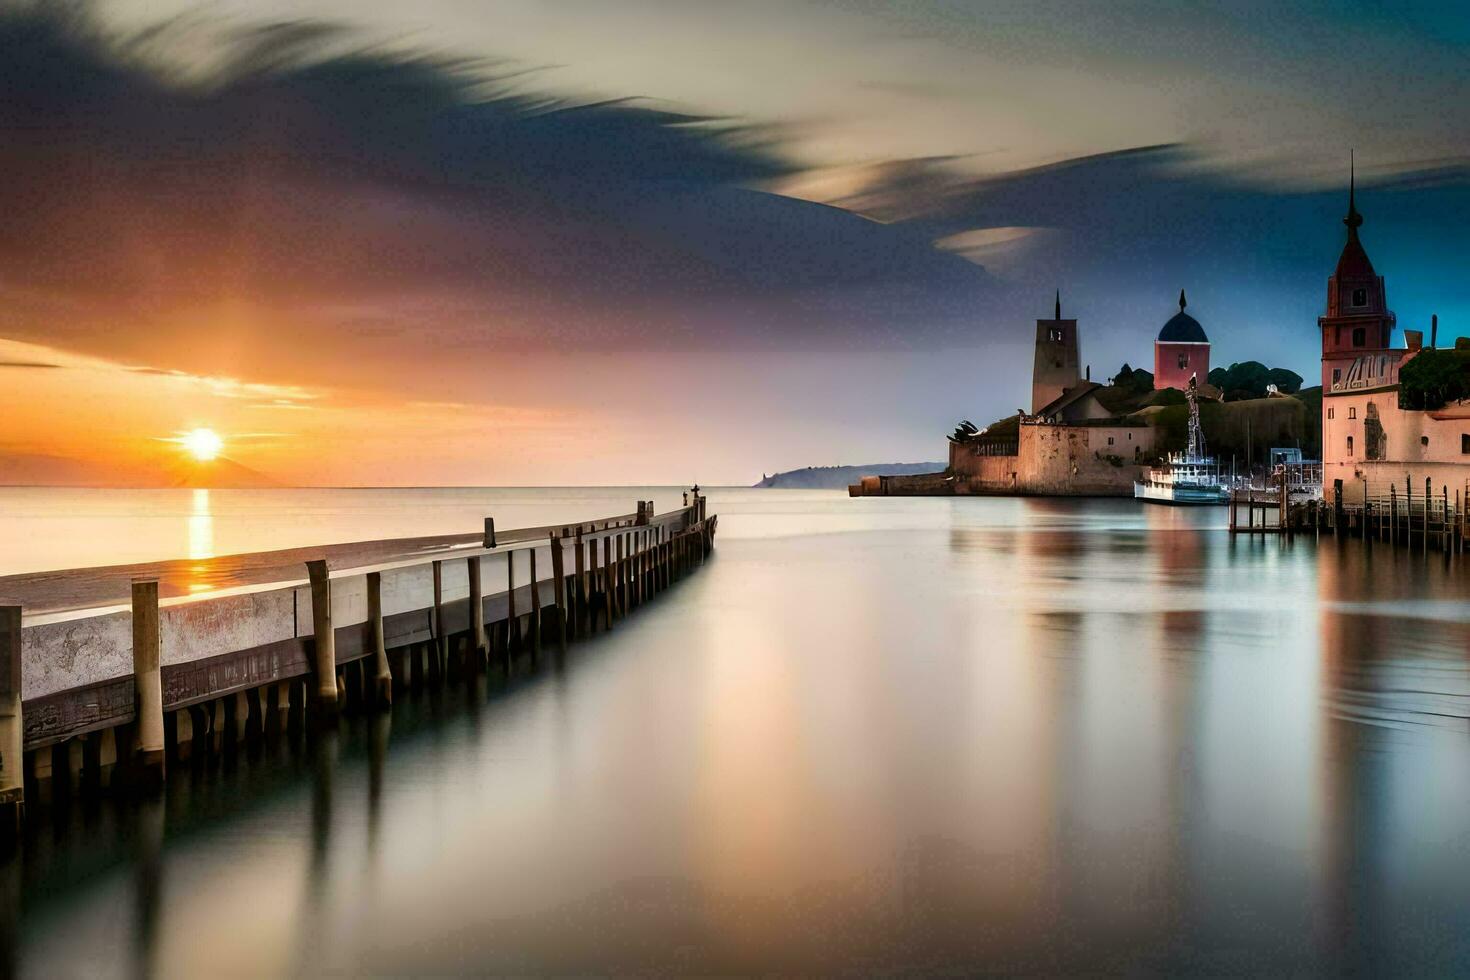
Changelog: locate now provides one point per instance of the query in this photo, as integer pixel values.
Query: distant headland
(838, 477)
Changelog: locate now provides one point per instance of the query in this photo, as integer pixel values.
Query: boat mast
(1196, 448)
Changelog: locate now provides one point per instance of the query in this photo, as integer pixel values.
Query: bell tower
(1358, 319)
(1056, 366)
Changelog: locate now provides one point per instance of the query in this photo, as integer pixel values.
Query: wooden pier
(110, 675)
(1425, 518)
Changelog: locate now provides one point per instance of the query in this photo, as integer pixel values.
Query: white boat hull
(1180, 494)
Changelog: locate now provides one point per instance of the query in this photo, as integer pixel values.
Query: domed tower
(1182, 351)
(1358, 320)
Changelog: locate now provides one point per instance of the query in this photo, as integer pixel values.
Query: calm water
(869, 735)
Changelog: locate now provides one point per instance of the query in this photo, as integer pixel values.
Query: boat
(1190, 477)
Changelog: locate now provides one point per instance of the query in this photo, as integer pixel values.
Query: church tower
(1056, 366)
(1358, 320)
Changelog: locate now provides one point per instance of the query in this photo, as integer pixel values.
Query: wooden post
(477, 611)
(1444, 524)
(579, 557)
(489, 532)
(619, 603)
(324, 642)
(440, 646)
(1429, 494)
(1337, 514)
(12, 727)
(382, 672)
(147, 685)
(512, 631)
(1393, 513)
(607, 597)
(535, 606)
(559, 589)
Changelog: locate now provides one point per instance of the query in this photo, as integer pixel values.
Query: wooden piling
(489, 532)
(324, 641)
(580, 562)
(12, 727)
(559, 589)
(147, 683)
(382, 679)
(616, 582)
(535, 605)
(478, 639)
(606, 581)
(512, 627)
(440, 664)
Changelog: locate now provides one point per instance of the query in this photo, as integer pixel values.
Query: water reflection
(201, 538)
(946, 735)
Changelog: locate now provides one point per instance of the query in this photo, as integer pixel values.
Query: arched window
(1350, 445)
(1183, 361)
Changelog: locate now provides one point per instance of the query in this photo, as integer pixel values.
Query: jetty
(108, 676)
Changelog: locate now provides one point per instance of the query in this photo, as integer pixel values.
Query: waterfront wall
(1057, 461)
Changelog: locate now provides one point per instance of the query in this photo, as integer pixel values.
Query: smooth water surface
(872, 734)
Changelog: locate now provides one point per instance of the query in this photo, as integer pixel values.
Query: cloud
(298, 196)
(28, 364)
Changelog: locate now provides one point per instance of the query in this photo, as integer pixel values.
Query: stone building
(1366, 436)
(1181, 351)
(1057, 365)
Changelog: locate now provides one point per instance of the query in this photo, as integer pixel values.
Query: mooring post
(12, 727)
(489, 532)
(324, 641)
(1428, 496)
(615, 582)
(147, 684)
(477, 611)
(440, 663)
(382, 671)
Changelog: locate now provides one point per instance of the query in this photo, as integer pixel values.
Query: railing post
(559, 589)
(382, 672)
(12, 727)
(147, 684)
(580, 561)
(535, 605)
(511, 626)
(439, 665)
(324, 641)
(477, 611)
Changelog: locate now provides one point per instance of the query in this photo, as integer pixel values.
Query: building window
(1350, 445)
(1336, 375)
(1360, 297)
(1110, 440)
(1465, 443)
(1360, 336)
(1332, 413)
(1352, 413)
(1183, 361)
(1056, 336)
(1423, 440)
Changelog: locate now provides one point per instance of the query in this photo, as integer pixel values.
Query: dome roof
(1183, 328)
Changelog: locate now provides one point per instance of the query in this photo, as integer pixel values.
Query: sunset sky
(478, 242)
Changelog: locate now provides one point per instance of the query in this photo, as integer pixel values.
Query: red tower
(1358, 320)
(1182, 351)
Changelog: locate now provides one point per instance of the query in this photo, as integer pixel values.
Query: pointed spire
(1059, 306)
(1354, 220)
(1182, 302)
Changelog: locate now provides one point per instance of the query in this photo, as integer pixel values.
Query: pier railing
(1422, 518)
(119, 677)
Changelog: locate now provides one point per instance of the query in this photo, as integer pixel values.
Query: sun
(203, 444)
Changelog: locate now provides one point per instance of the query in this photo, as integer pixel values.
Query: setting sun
(202, 444)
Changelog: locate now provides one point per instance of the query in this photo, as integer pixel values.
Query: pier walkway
(109, 674)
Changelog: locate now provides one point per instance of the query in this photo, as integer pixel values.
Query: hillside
(840, 477)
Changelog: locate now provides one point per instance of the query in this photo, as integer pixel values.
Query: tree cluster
(1248, 379)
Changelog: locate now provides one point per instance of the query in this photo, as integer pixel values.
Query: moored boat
(1190, 477)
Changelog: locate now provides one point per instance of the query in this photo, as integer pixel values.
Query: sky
(477, 242)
